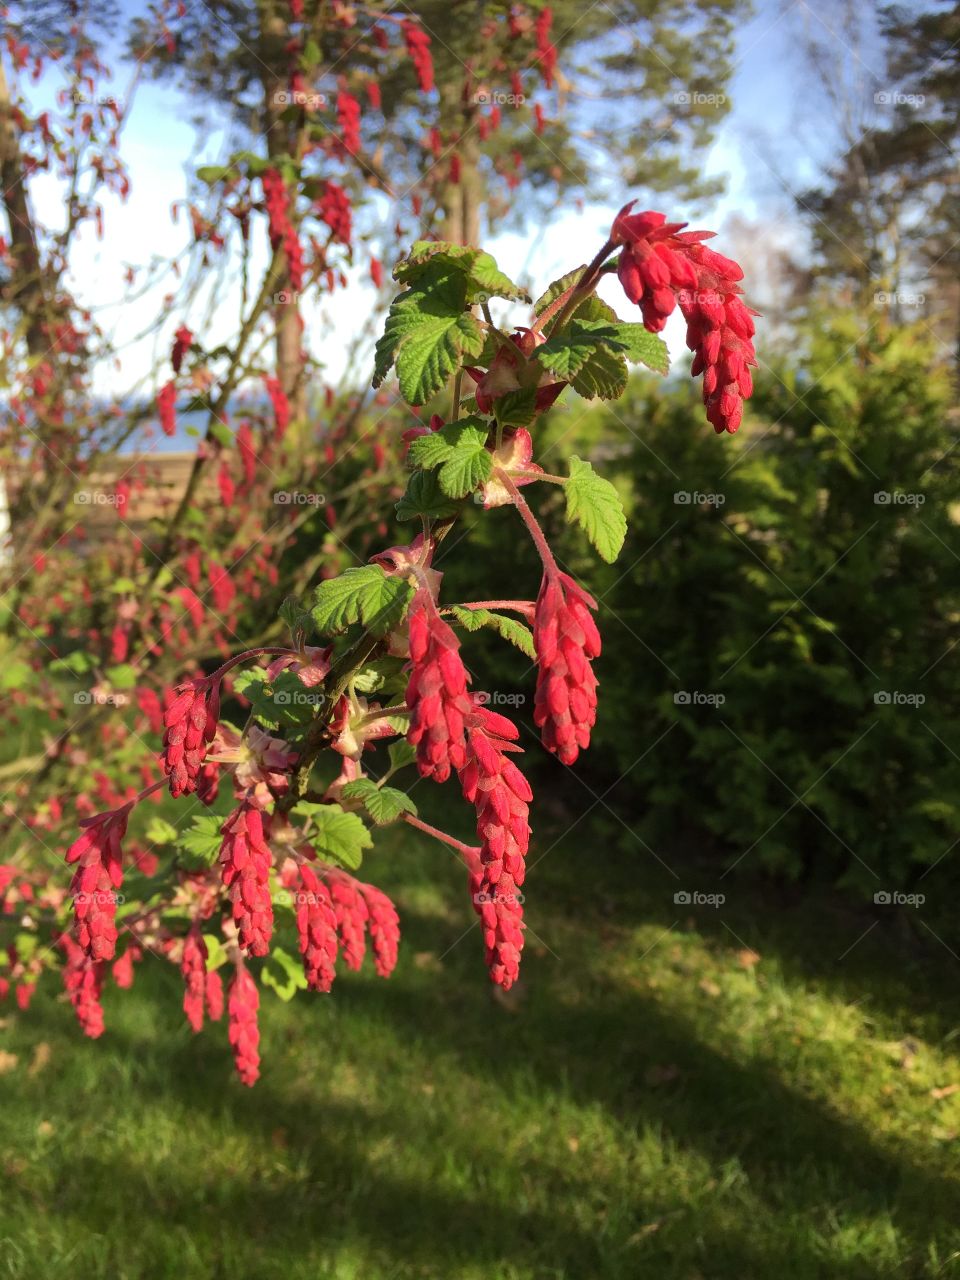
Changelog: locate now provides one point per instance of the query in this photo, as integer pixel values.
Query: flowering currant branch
(387, 666)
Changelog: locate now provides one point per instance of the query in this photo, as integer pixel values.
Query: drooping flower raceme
(190, 724)
(245, 862)
(243, 1002)
(436, 691)
(662, 266)
(98, 875)
(567, 640)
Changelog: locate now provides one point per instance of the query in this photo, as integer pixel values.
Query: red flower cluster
(493, 783)
(191, 722)
(546, 50)
(348, 115)
(245, 860)
(193, 967)
(334, 209)
(418, 46)
(566, 639)
(376, 272)
(243, 1001)
(317, 929)
(167, 407)
(662, 265)
(99, 873)
(334, 912)
(436, 692)
(83, 982)
(280, 404)
(182, 340)
(282, 230)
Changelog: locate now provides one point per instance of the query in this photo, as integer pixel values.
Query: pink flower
(182, 341)
(243, 1001)
(83, 982)
(348, 116)
(245, 862)
(167, 407)
(436, 691)
(566, 640)
(281, 406)
(384, 924)
(98, 875)
(661, 266)
(501, 794)
(191, 722)
(334, 209)
(376, 272)
(317, 930)
(193, 967)
(418, 46)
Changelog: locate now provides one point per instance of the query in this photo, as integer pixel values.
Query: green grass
(651, 1101)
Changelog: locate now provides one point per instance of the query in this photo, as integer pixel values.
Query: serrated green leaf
(424, 497)
(383, 674)
(427, 332)
(640, 346)
(362, 594)
(159, 831)
(401, 754)
(483, 278)
(459, 449)
(201, 842)
(603, 376)
(554, 290)
(509, 628)
(594, 504)
(283, 974)
(517, 408)
(384, 804)
(337, 836)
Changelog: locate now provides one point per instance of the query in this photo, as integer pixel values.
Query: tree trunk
(25, 290)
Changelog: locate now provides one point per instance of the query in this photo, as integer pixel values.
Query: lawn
(734, 1093)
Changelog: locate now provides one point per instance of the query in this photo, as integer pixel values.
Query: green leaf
(122, 677)
(459, 449)
(378, 676)
(427, 332)
(509, 628)
(483, 279)
(338, 836)
(640, 346)
(15, 673)
(517, 408)
(201, 843)
(159, 831)
(554, 290)
(221, 433)
(603, 376)
(213, 173)
(384, 804)
(296, 616)
(217, 954)
(424, 497)
(283, 973)
(567, 353)
(594, 504)
(401, 754)
(362, 594)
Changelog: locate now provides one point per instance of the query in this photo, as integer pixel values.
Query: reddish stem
(525, 607)
(470, 853)
(530, 520)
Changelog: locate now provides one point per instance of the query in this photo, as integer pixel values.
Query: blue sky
(772, 143)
